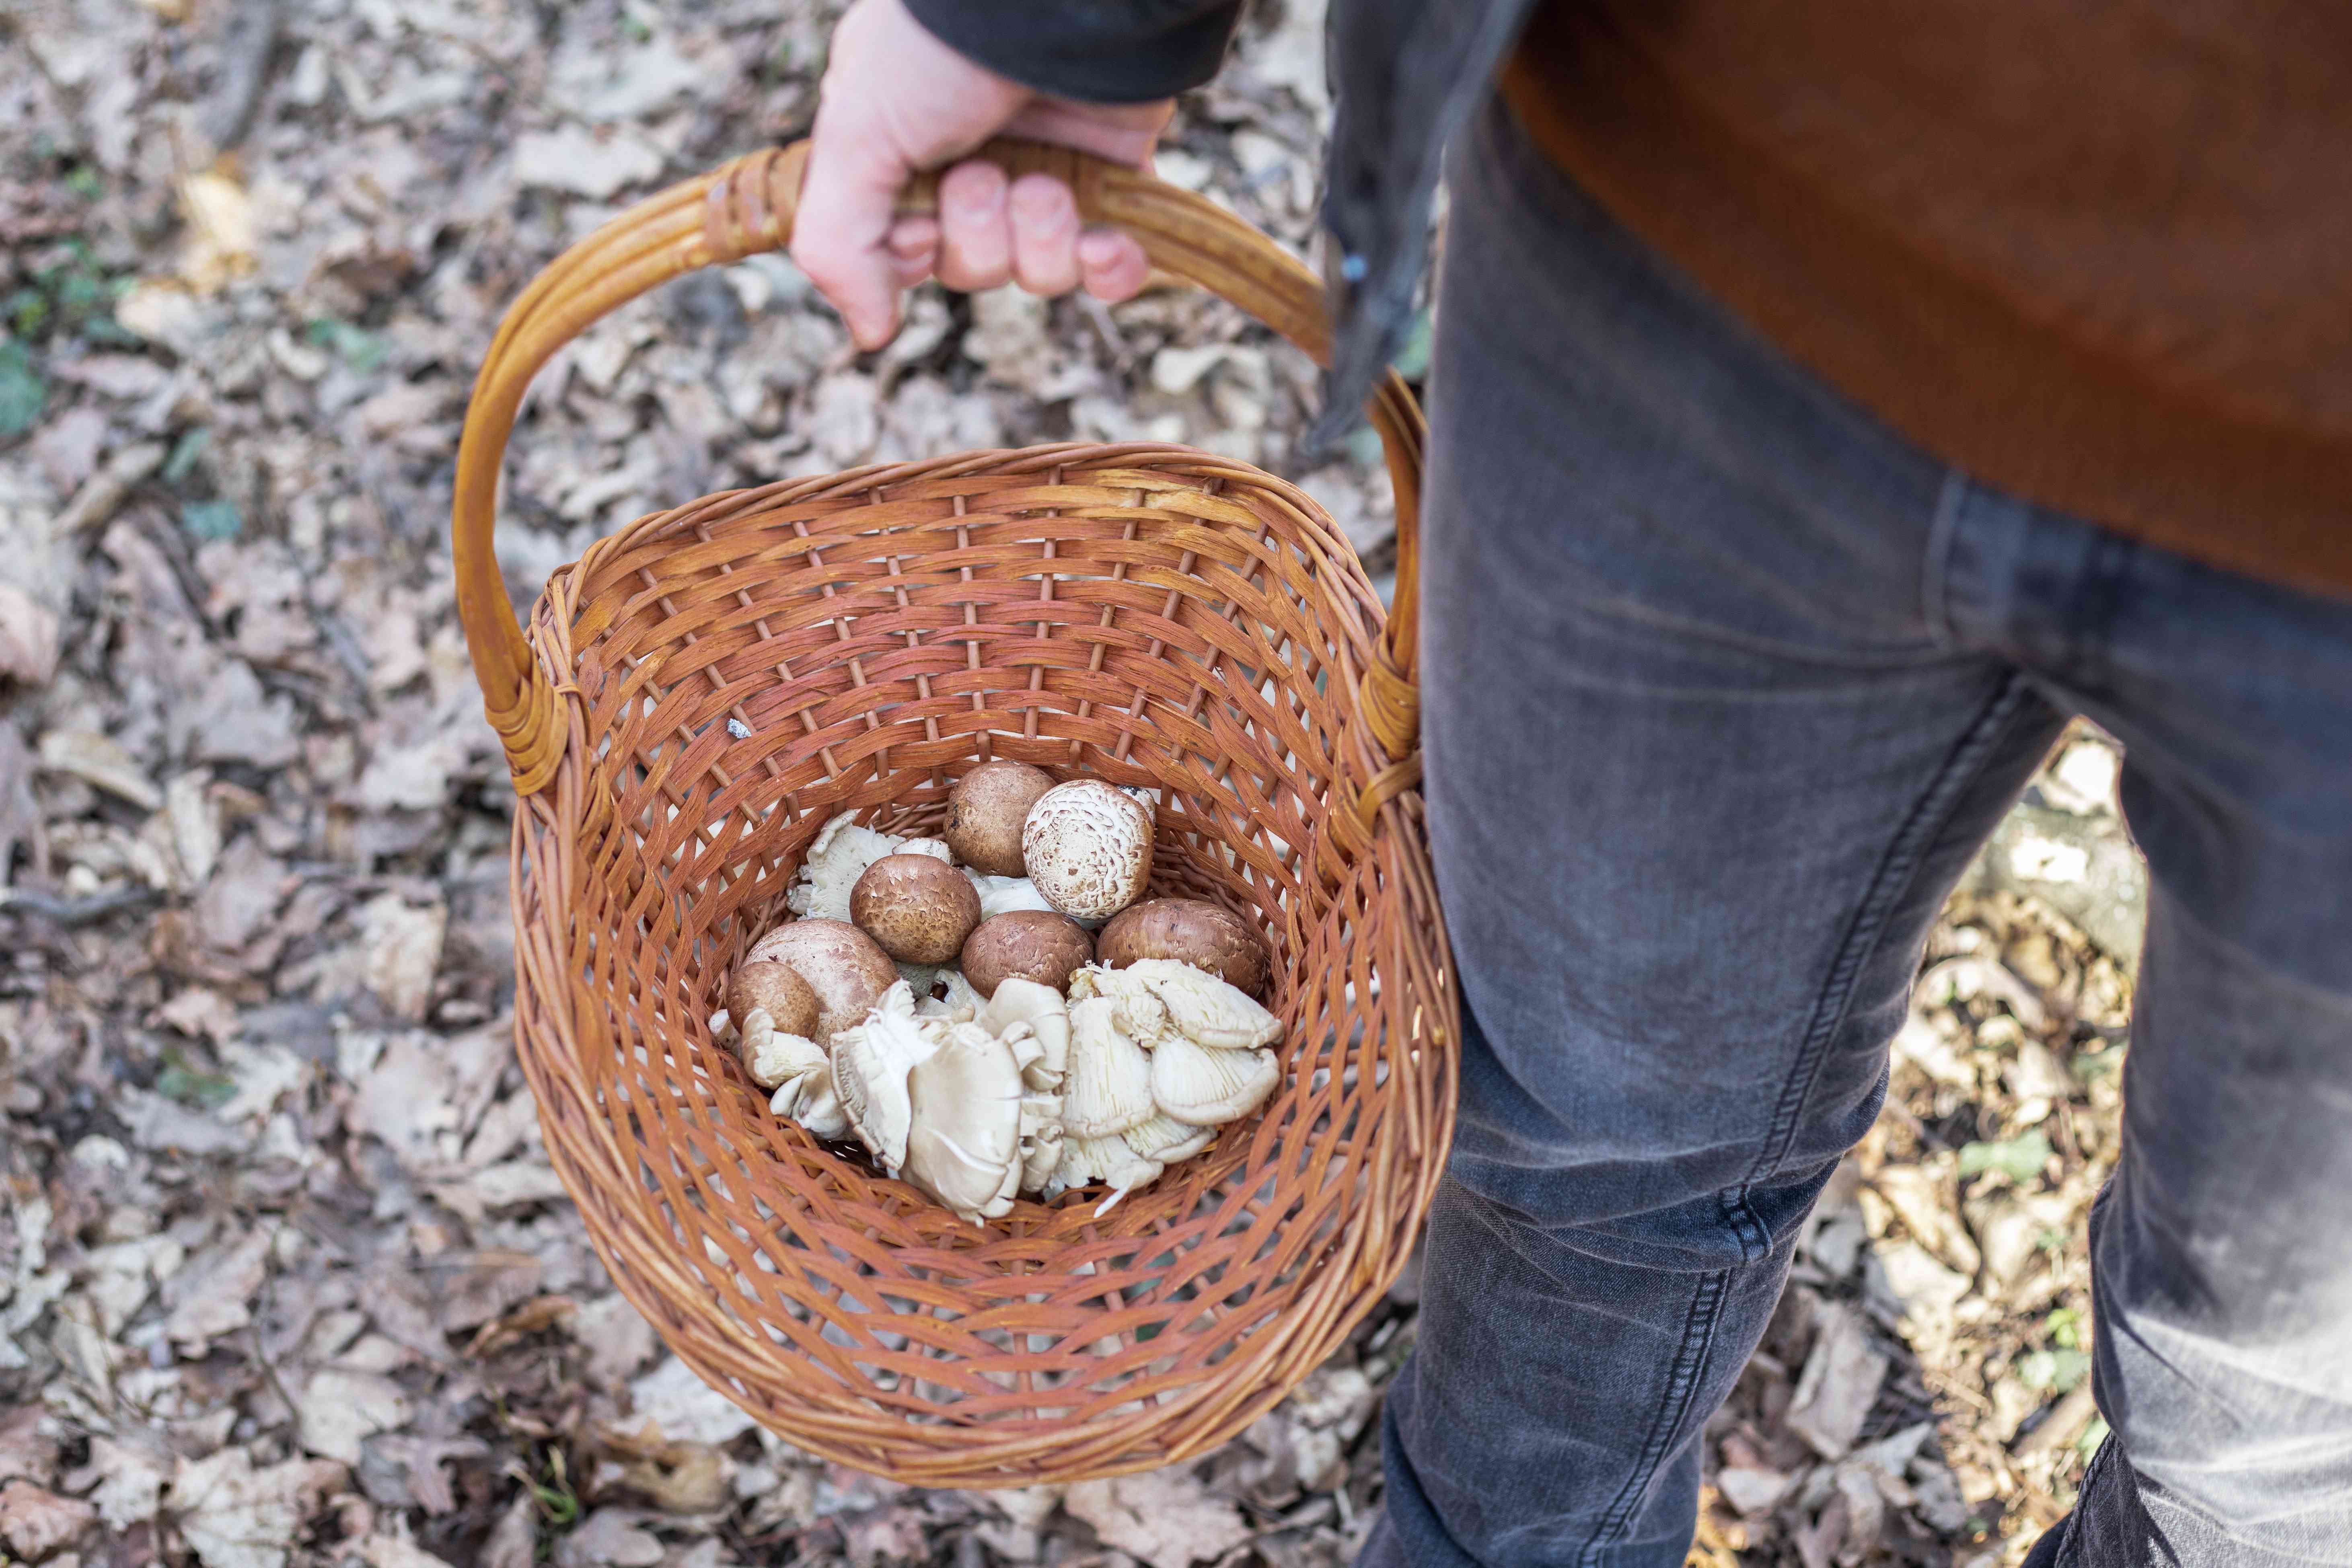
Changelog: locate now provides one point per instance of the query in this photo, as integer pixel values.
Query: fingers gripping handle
(745, 207)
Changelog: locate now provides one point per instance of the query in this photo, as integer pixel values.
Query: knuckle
(1044, 202)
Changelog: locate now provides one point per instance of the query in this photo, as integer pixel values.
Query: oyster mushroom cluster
(946, 1003)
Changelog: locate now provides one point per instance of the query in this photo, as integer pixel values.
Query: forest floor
(286, 1277)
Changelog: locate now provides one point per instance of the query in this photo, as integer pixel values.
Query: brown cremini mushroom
(985, 812)
(841, 963)
(1033, 944)
(778, 990)
(917, 907)
(1190, 931)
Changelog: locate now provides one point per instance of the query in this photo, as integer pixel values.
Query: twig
(75, 911)
(2067, 1420)
(103, 492)
(250, 39)
(1105, 326)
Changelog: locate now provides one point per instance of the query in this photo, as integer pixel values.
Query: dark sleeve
(1099, 51)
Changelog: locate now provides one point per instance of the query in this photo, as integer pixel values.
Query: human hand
(896, 99)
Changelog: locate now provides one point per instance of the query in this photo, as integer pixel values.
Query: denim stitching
(1682, 1386)
(1895, 872)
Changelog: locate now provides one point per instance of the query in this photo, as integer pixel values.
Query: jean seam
(1896, 869)
(1682, 1385)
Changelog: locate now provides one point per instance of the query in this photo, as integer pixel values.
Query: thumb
(841, 231)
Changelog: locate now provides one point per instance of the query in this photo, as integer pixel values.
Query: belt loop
(1935, 568)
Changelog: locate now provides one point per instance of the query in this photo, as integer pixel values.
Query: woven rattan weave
(702, 691)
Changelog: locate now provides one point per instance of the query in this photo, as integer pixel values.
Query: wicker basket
(702, 691)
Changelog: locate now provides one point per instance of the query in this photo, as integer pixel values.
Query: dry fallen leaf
(214, 1295)
(616, 1337)
(686, 1408)
(610, 1538)
(130, 1477)
(234, 1516)
(676, 1478)
(100, 760)
(29, 1445)
(404, 952)
(1840, 1382)
(338, 1410)
(35, 1522)
(394, 1552)
(28, 637)
(1163, 1517)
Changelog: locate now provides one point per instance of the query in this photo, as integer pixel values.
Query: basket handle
(745, 207)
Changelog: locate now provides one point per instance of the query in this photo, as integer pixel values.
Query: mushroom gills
(1205, 1088)
(1167, 1140)
(811, 1101)
(1139, 1011)
(1108, 1089)
(870, 1069)
(1205, 1008)
(1041, 1138)
(835, 859)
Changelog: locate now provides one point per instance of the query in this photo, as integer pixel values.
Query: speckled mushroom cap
(986, 811)
(919, 908)
(1193, 931)
(1088, 849)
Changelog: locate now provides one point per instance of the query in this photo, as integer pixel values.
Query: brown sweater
(2096, 254)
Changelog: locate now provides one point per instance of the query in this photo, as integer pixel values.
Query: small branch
(75, 911)
(246, 50)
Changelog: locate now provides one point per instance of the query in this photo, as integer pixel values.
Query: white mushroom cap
(1207, 1087)
(1141, 1012)
(960, 1006)
(1001, 895)
(1203, 1007)
(870, 1065)
(1167, 1140)
(1087, 847)
(964, 1145)
(1108, 1089)
(838, 857)
(810, 1100)
(1107, 1160)
(936, 848)
(770, 1056)
(1018, 1001)
(1041, 1137)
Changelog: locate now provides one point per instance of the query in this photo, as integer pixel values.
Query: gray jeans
(1725, 683)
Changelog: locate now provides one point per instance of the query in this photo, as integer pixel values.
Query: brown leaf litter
(285, 1277)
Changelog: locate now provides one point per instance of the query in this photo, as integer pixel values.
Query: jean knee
(2235, 1417)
